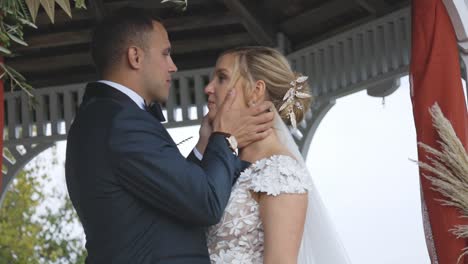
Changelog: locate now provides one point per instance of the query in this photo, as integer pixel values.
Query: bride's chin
(211, 115)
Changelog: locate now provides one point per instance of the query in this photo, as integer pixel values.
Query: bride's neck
(261, 149)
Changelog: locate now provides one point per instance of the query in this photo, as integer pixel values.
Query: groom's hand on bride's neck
(204, 133)
(247, 125)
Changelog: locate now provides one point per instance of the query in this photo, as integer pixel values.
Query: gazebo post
(464, 57)
(458, 12)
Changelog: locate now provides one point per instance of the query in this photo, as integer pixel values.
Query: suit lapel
(97, 90)
(102, 90)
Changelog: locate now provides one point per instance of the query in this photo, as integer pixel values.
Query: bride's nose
(209, 89)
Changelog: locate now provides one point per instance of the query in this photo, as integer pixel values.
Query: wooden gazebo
(344, 46)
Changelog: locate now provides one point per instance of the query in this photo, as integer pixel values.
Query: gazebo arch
(369, 56)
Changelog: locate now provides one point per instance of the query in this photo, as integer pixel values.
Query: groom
(138, 198)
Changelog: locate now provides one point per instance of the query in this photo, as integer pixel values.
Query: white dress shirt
(129, 92)
(197, 153)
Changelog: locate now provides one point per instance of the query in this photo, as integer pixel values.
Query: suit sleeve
(193, 158)
(149, 165)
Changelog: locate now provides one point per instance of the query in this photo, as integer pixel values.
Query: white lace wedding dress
(238, 238)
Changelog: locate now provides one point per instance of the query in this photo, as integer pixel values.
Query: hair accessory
(290, 96)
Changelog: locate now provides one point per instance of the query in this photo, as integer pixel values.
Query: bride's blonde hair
(253, 63)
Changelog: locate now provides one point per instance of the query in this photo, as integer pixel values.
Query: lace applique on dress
(238, 238)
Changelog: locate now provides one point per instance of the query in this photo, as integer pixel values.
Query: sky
(359, 158)
(360, 162)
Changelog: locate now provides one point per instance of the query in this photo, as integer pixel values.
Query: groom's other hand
(247, 125)
(205, 132)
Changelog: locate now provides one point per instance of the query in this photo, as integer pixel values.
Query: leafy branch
(14, 16)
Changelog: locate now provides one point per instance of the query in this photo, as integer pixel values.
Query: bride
(274, 214)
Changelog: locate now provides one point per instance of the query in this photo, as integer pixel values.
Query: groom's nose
(172, 66)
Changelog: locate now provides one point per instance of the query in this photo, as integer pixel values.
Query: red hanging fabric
(436, 77)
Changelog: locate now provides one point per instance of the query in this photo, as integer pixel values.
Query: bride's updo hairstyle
(254, 63)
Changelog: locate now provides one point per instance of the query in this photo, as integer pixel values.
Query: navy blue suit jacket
(138, 198)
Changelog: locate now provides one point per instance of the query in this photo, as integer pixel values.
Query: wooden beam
(377, 7)
(316, 16)
(88, 73)
(199, 22)
(84, 36)
(213, 43)
(82, 58)
(261, 31)
(157, 4)
(55, 40)
(61, 17)
(50, 63)
(97, 8)
(78, 15)
(334, 32)
(61, 78)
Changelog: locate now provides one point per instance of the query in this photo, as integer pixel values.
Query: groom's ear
(134, 57)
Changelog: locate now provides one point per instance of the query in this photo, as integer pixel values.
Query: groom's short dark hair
(125, 27)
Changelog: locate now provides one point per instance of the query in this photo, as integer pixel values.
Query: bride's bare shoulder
(281, 151)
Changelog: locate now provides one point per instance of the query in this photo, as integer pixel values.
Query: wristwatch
(231, 140)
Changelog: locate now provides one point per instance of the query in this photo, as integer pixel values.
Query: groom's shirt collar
(129, 92)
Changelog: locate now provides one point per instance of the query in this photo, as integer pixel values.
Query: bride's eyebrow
(218, 72)
(221, 71)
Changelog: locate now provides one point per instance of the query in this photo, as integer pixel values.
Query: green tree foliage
(38, 225)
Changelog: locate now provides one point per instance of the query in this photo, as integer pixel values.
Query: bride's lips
(211, 104)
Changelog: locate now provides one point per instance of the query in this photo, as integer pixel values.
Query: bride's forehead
(226, 60)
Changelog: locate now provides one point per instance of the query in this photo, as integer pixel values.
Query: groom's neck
(128, 80)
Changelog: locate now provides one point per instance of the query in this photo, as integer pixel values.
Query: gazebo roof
(58, 53)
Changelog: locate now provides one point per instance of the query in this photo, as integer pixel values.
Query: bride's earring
(251, 103)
